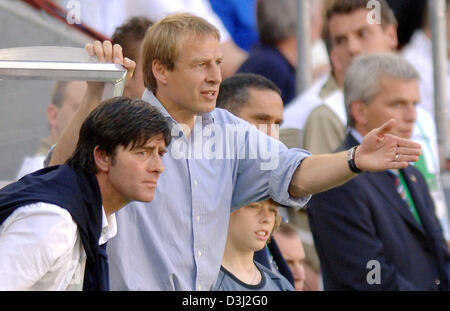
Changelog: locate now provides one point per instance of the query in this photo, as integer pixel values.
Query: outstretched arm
(378, 152)
(106, 53)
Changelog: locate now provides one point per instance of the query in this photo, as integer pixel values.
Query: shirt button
(199, 253)
(199, 287)
(198, 218)
(437, 282)
(195, 183)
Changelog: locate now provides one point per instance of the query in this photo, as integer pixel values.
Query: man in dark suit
(379, 231)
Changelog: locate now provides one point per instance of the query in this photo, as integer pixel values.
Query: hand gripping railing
(60, 63)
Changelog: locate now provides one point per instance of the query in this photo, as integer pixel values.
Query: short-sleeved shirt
(270, 281)
(176, 242)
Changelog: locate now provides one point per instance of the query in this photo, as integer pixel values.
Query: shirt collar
(109, 227)
(356, 135)
(148, 96)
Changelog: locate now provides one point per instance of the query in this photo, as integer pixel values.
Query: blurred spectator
(325, 127)
(66, 98)
(130, 36)
(276, 56)
(253, 98)
(319, 113)
(292, 249)
(379, 231)
(239, 17)
(249, 229)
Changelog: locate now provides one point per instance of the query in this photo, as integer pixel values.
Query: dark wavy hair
(117, 121)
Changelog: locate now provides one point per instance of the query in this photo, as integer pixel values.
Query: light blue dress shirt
(176, 242)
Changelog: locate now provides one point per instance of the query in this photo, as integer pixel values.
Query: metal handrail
(59, 63)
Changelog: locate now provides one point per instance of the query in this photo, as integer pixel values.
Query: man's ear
(359, 112)
(391, 32)
(103, 161)
(52, 114)
(159, 71)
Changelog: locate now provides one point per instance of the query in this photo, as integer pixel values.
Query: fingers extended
(406, 158)
(409, 151)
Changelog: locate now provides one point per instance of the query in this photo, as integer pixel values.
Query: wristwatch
(351, 160)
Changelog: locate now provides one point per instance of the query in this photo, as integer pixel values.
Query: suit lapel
(383, 182)
(416, 190)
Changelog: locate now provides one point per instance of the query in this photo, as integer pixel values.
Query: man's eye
(339, 41)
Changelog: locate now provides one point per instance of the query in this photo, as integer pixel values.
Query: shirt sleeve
(32, 239)
(266, 171)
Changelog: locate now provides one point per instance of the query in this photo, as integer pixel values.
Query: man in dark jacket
(379, 231)
(54, 223)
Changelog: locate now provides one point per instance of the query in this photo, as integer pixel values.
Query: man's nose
(214, 74)
(155, 164)
(354, 46)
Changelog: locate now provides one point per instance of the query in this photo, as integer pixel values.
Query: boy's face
(133, 173)
(251, 226)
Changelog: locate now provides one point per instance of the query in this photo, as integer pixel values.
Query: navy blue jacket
(270, 63)
(79, 194)
(367, 220)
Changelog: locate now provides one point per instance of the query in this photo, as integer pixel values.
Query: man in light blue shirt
(216, 163)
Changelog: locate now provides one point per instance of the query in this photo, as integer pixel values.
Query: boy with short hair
(249, 230)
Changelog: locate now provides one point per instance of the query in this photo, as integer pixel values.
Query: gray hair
(277, 20)
(362, 79)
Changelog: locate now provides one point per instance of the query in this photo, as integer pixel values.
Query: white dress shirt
(41, 248)
(106, 15)
(419, 53)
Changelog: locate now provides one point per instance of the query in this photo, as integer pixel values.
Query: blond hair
(278, 219)
(163, 41)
